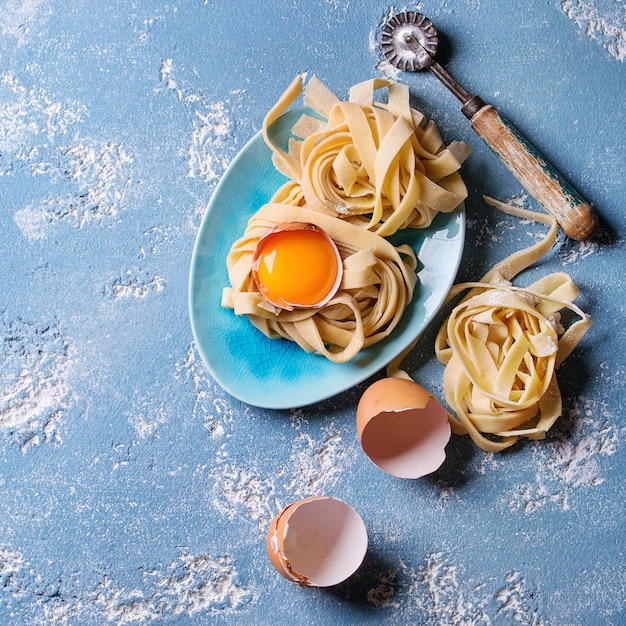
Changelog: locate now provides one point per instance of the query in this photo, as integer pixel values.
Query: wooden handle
(574, 215)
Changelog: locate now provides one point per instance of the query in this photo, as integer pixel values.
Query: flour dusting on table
(569, 465)
(187, 585)
(605, 24)
(318, 462)
(17, 17)
(36, 369)
(242, 491)
(209, 405)
(212, 143)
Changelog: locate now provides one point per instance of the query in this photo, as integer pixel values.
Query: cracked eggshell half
(317, 542)
(402, 428)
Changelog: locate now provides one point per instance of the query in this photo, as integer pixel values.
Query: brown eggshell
(274, 544)
(316, 542)
(402, 428)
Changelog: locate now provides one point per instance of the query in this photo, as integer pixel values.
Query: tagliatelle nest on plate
(377, 284)
(378, 165)
(502, 346)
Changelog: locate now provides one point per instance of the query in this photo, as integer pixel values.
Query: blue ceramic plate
(276, 373)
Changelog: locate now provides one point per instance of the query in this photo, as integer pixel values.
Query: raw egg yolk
(297, 267)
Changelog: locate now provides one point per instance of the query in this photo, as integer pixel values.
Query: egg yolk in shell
(296, 267)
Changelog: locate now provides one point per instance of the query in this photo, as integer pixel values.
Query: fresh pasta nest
(502, 346)
(377, 284)
(380, 165)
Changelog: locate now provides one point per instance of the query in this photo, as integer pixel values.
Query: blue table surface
(133, 489)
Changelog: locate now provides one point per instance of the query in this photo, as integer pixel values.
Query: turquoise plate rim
(276, 373)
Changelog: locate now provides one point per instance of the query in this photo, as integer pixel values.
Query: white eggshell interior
(409, 443)
(325, 540)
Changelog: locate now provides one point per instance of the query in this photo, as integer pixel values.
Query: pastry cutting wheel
(409, 42)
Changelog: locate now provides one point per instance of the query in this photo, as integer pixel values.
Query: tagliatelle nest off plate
(502, 345)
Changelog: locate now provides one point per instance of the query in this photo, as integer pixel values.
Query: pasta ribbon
(502, 345)
(377, 284)
(378, 165)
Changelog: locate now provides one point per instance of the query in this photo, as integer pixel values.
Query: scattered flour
(35, 391)
(383, 66)
(17, 16)
(156, 237)
(488, 462)
(212, 144)
(387, 70)
(317, 463)
(147, 418)
(91, 176)
(343, 6)
(135, 284)
(11, 563)
(101, 174)
(31, 121)
(436, 591)
(383, 595)
(209, 404)
(216, 414)
(606, 26)
(187, 586)
(60, 612)
(515, 602)
(98, 176)
(237, 489)
(440, 593)
(167, 76)
(569, 463)
(578, 250)
(209, 141)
